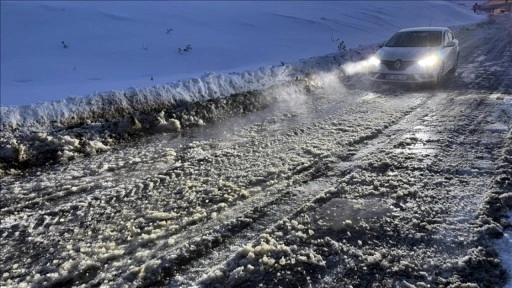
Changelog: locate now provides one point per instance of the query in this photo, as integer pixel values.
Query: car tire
(454, 68)
(439, 78)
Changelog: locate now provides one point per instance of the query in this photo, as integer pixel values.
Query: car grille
(390, 64)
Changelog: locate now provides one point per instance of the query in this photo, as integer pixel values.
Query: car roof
(424, 29)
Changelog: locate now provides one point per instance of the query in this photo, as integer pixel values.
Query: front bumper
(413, 74)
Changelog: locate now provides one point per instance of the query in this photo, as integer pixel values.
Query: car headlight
(374, 61)
(429, 61)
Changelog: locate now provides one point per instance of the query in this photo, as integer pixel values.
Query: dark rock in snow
(129, 124)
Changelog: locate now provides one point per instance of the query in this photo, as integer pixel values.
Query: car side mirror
(380, 45)
(450, 44)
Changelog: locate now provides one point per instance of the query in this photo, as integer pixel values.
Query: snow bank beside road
(118, 103)
(104, 106)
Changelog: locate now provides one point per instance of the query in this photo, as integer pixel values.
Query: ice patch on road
(340, 213)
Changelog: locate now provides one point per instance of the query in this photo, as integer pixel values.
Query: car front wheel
(454, 68)
(440, 75)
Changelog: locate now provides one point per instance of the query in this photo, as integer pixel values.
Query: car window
(415, 39)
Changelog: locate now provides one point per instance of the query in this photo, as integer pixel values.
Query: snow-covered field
(249, 160)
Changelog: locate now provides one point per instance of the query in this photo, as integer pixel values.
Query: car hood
(405, 53)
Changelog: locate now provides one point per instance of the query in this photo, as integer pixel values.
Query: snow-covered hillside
(54, 50)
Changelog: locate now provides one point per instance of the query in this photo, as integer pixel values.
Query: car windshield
(415, 39)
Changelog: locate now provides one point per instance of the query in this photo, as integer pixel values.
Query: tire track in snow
(275, 212)
(419, 202)
(220, 234)
(141, 232)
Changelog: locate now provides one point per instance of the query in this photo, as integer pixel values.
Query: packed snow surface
(55, 50)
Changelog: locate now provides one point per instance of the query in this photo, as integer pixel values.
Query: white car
(423, 54)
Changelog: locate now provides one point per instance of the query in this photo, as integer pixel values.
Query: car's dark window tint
(415, 39)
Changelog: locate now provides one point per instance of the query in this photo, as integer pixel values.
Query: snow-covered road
(331, 186)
